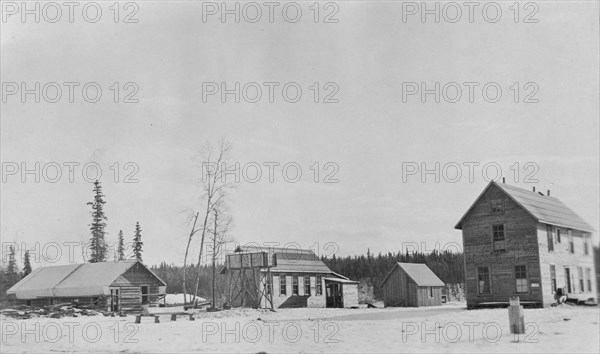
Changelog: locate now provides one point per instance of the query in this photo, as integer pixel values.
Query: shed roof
(292, 260)
(543, 208)
(75, 280)
(419, 273)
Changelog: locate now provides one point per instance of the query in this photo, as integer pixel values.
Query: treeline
(173, 276)
(448, 266)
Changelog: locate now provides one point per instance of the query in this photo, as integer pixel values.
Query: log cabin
(528, 244)
(294, 277)
(110, 286)
(411, 285)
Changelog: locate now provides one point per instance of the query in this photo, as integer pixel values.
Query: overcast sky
(368, 135)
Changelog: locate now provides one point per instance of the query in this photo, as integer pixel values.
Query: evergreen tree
(121, 247)
(12, 272)
(98, 246)
(26, 264)
(137, 242)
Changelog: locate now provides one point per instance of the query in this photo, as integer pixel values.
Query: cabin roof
(291, 260)
(543, 208)
(74, 280)
(419, 273)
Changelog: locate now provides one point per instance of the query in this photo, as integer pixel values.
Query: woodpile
(52, 311)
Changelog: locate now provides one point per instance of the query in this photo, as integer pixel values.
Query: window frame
(318, 285)
(588, 274)
(430, 292)
(307, 286)
(489, 280)
(558, 235)
(550, 237)
(581, 279)
(282, 285)
(496, 231)
(526, 278)
(497, 205)
(295, 286)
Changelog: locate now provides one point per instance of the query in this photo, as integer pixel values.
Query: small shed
(116, 286)
(412, 285)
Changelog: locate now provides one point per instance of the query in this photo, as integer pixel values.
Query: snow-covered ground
(177, 299)
(447, 328)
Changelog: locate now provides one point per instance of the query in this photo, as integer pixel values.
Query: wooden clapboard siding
(520, 230)
(425, 300)
(527, 243)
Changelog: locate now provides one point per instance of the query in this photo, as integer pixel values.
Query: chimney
(548, 192)
(503, 180)
(534, 188)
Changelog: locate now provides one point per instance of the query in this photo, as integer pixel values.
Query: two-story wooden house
(527, 244)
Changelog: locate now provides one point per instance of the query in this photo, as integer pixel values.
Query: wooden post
(516, 318)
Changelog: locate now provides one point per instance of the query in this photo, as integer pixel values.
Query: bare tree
(187, 249)
(215, 188)
(220, 236)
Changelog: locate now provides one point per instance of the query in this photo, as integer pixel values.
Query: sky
(371, 136)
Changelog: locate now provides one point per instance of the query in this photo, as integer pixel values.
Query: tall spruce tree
(121, 247)
(137, 242)
(26, 264)
(12, 272)
(98, 247)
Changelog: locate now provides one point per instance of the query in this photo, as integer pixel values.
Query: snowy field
(447, 328)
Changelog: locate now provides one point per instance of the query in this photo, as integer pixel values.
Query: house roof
(419, 273)
(543, 208)
(291, 260)
(74, 280)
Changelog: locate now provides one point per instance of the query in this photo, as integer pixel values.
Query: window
(430, 291)
(521, 279)
(497, 205)
(552, 278)
(319, 286)
(483, 280)
(306, 285)
(571, 246)
(557, 235)
(282, 285)
(550, 238)
(499, 241)
(580, 274)
(294, 285)
(586, 246)
(144, 295)
(588, 275)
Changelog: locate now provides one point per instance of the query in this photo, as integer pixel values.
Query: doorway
(334, 294)
(114, 300)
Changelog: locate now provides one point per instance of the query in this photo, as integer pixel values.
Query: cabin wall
(562, 258)
(396, 289)
(425, 300)
(521, 235)
(130, 286)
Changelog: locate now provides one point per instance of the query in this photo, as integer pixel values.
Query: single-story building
(294, 278)
(116, 286)
(412, 285)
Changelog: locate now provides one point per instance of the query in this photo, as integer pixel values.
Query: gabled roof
(543, 208)
(291, 260)
(74, 280)
(419, 273)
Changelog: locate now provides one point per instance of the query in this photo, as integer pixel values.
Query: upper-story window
(498, 239)
(497, 205)
(557, 235)
(550, 236)
(586, 245)
(571, 245)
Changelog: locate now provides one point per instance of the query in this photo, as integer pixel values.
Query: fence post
(516, 318)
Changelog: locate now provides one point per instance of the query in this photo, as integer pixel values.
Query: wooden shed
(412, 285)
